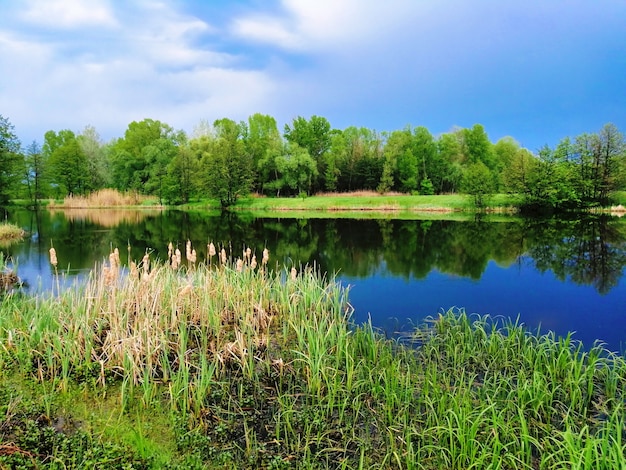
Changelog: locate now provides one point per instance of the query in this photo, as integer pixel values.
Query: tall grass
(10, 233)
(102, 198)
(262, 368)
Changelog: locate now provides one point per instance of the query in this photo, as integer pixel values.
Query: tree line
(228, 159)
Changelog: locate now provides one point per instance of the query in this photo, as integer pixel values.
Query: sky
(535, 70)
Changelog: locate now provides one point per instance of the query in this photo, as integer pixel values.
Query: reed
(262, 368)
(102, 198)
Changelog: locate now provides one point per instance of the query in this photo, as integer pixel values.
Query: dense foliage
(227, 160)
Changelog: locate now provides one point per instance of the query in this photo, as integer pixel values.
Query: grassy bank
(395, 204)
(226, 364)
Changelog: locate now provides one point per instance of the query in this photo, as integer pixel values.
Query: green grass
(232, 365)
(384, 203)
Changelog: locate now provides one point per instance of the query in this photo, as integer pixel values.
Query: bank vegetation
(227, 362)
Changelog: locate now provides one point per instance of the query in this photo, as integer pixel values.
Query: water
(559, 275)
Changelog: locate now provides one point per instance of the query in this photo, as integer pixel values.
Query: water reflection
(508, 266)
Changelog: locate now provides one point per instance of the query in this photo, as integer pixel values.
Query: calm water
(560, 275)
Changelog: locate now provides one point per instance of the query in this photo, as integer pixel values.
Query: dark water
(559, 275)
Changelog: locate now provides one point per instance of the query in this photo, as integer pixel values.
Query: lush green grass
(231, 365)
(395, 205)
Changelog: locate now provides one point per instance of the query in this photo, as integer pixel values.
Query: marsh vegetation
(222, 362)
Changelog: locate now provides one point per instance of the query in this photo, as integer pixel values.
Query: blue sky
(537, 70)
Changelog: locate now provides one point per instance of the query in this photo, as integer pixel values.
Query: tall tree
(227, 167)
(399, 148)
(262, 136)
(35, 167)
(478, 148)
(10, 159)
(139, 159)
(68, 163)
(93, 148)
(428, 164)
(313, 135)
(297, 168)
(478, 182)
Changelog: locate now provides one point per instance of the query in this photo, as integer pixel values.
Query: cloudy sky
(537, 70)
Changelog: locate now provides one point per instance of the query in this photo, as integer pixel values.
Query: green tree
(297, 168)
(478, 182)
(550, 183)
(515, 175)
(429, 166)
(35, 167)
(67, 162)
(10, 161)
(139, 159)
(315, 136)
(478, 147)
(226, 166)
(262, 136)
(399, 148)
(93, 148)
(181, 181)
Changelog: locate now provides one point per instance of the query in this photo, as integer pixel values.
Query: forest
(227, 160)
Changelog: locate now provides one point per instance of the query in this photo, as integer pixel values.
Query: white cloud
(327, 25)
(69, 13)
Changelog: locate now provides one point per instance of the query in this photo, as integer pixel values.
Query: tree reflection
(590, 250)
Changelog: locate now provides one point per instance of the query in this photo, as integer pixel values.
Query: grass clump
(10, 233)
(247, 367)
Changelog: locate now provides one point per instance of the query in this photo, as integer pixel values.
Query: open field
(226, 363)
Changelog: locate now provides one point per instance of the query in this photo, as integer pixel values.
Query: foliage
(9, 160)
(67, 162)
(228, 160)
(226, 167)
(297, 168)
(478, 183)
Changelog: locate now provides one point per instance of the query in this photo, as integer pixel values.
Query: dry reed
(102, 198)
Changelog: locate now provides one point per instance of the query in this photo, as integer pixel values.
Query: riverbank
(368, 202)
(226, 364)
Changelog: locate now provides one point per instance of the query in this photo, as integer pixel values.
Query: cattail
(239, 265)
(53, 257)
(146, 263)
(266, 256)
(247, 253)
(188, 250)
(170, 251)
(178, 256)
(294, 274)
(185, 291)
(192, 256)
(253, 262)
(211, 248)
(116, 255)
(223, 256)
(134, 274)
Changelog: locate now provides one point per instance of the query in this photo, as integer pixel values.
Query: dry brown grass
(102, 198)
(10, 233)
